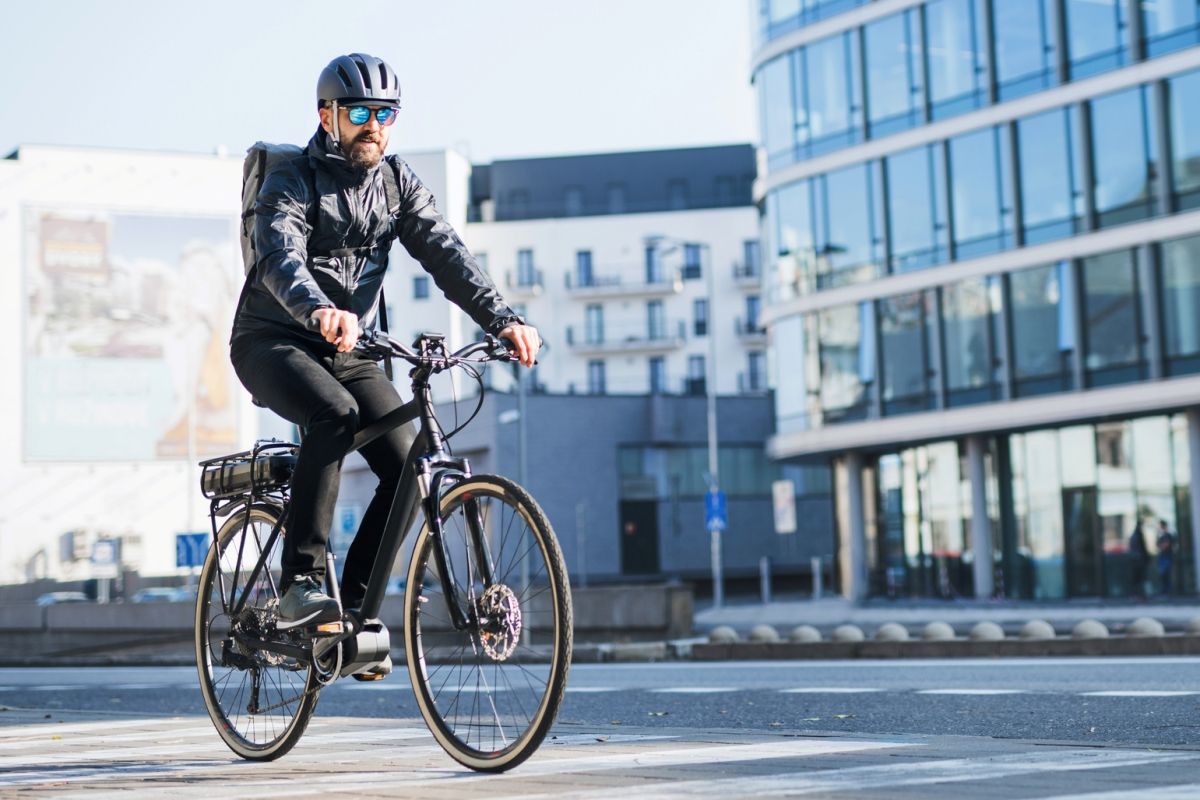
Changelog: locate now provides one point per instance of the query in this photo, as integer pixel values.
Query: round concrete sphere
(986, 632)
(848, 633)
(762, 633)
(1089, 629)
(1037, 629)
(805, 634)
(891, 632)
(1193, 626)
(722, 634)
(1145, 626)
(937, 632)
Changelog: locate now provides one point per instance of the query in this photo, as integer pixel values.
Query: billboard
(127, 319)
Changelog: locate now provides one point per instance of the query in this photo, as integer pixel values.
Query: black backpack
(261, 159)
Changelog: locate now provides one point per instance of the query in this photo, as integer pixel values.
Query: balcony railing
(749, 331)
(632, 282)
(656, 338)
(521, 282)
(747, 275)
(752, 382)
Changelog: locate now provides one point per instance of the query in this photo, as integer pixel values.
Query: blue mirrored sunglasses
(360, 114)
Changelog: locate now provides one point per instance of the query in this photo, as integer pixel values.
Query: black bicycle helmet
(358, 77)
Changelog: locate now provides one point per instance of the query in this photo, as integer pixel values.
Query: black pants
(330, 397)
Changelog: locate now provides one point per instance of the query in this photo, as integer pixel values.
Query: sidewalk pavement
(827, 613)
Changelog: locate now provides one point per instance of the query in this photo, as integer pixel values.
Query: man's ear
(326, 115)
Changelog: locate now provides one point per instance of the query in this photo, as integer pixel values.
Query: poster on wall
(127, 319)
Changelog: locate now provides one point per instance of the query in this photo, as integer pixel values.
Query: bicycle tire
(513, 685)
(288, 689)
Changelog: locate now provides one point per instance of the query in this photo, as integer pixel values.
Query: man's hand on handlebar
(525, 341)
(340, 328)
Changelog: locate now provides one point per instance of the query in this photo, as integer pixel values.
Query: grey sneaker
(305, 603)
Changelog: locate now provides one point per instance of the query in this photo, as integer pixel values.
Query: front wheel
(489, 687)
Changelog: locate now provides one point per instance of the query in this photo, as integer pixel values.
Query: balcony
(752, 383)
(623, 284)
(750, 332)
(644, 340)
(747, 275)
(529, 283)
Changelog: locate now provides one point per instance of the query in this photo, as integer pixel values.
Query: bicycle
(487, 608)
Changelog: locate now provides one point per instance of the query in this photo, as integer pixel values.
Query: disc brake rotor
(500, 622)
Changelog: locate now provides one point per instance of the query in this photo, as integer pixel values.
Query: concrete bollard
(804, 634)
(848, 633)
(891, 632)
(1089, 629)
(937, 632)
(723, 634)
(763, 634)
(1145, 626)
(1037, 629)
(986, 632)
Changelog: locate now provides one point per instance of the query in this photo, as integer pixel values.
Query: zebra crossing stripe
(973, 692)
(830, 690)
(1189, 791)
(1138, 693)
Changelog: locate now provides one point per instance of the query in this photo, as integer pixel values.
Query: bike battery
(239, 474)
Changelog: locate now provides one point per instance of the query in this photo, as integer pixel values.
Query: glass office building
(981, 221)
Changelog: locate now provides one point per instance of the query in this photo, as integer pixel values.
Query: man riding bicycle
(322, 229)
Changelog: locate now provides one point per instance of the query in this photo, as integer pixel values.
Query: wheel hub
(499, 622)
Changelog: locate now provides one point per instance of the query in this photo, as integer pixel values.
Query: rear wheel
(490, 689)
(259, 701)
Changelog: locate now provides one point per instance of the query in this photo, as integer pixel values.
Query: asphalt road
(1105, 700)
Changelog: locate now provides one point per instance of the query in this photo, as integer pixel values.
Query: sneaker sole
(286, 625)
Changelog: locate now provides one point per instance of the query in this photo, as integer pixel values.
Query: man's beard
(363, 153)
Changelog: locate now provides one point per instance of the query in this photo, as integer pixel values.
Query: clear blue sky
(496, 79)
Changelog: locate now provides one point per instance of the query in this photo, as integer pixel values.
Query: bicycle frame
(428, 471)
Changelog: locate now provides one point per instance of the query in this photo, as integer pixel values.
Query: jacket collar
(323, 152)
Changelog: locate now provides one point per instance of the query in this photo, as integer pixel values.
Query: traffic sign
(783, 497)
(104, 558)
(190, 549)
(715, 516)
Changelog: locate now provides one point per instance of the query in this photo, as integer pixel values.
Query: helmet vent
(362, 69)
(345, 76)
(382, 75)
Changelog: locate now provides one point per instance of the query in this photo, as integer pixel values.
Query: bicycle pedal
(368, 676)
(328, 628)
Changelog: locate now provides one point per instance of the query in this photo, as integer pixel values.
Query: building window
(793, 261)
(526, 275)
(615, 193)
(970, 312)
(895, 92)
(848, 227)
(596, 377)
(700, 316)
(1170, 25)
(834, 111)
(691, 262)
(1123, 157)
(654, 270)
(1051, 201)
(916, 208)
(583, 268)
(420, 287)
(573, 201)
(1025, 49)
(904, 352)
(695, 375)
(756, 371)
(751, 258)
(723, 190)
(753, 311)
(677, 194)
(482, 260)
(656, 322)
(1181, 305)
(1184, 93)
(1095, 35)
(1111, 321)
(954, 53)
(846, 353)
(1043, 333)
(982, 192)
(658, 375)
(594, 316)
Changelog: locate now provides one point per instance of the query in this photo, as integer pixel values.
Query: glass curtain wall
(1180, 281)
(1096, 36)
(1111, 320)
(833, 90)
(982, 192)
(895, 85)
(1025, 47)
(1184, 107)
(955, 55)
(1051, 202)
(916, 208)
(846, 352)
(797, 267)
(906, 364)
(1041, 302)
(778, 106)
(1123, 156)
(1170, 25)
(970, 312)
(848, 224)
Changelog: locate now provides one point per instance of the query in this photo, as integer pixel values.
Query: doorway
(639, 537)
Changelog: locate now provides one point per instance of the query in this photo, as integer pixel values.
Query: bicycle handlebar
(377, 346)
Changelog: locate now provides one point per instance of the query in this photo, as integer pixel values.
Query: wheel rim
(488, 690)
(233, 674)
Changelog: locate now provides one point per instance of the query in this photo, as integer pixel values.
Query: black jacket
(300, 268)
